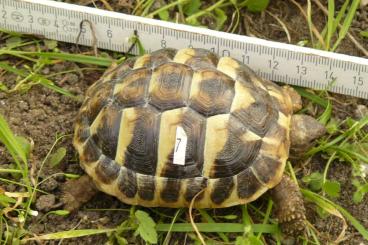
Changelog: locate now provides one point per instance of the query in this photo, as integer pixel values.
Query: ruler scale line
(277, 61)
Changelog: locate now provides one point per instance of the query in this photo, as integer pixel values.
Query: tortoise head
(304, 129)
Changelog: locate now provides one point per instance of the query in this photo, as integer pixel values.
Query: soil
(41, 114)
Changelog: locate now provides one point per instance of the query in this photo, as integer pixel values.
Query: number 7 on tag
(180, 146)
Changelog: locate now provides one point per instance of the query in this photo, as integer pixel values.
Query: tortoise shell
(236, 126)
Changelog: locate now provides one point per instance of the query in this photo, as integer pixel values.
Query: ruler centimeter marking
(271, 60)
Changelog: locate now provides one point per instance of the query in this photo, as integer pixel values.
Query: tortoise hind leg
(77, 192)
(290, 210)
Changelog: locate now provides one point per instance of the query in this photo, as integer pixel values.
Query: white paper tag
(180, 146)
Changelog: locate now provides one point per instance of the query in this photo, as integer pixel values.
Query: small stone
(59, 67)
(37, 228)
(37, 113)
(361, 111)
(46, 70)
(45, 202)
(23, 105)
(49, 185)
(72, 78)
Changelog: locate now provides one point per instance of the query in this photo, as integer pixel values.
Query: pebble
(23, 105)
(46, 71)
(45, 202)
(49, 185)
(38, 114)
(361, 111)
(72, 78)
(59, 67)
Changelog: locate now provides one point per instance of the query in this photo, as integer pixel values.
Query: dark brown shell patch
(171, 190)
(141, 153)
(248, 184)
(132, 89)
(127, 182)
(91, 152)
(265, 168)
(146, 187)
(194, 126)
(257, 117)
(194, 186)
(222, 189)
(107, 170)
(107, 128)
(215, 93)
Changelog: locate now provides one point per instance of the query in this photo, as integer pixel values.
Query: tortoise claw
(290, 210)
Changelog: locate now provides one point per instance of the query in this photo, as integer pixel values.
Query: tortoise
(179, 126)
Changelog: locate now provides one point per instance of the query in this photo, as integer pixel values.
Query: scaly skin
(290, 210)
(78, 192)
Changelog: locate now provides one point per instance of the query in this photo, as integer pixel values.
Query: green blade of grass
(79, 58)
(330, 22)
(37, 79)
(325, 203)
(312, 97)
(69, 234)
(11, 143)
(340, 15)
(210, 220)
(216, 227)
(347, 22)
(49, 84)
(326, 115)
(19, 72)
(344, 136)
(203, 12)
(166, 7)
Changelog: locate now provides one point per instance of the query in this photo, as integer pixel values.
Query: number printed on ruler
(271, 60)
(180, 146)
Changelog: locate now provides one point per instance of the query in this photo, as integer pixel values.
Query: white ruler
(271, 60)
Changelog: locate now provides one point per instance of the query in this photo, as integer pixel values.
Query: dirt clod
(45, 202)
(49, 185)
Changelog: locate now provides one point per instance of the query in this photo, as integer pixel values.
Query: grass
(345, 143)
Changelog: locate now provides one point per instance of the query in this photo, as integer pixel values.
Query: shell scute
(169, 86)
(138, 139)
(106, 170)
(212, 92)
(171, 190)
(222, 190)
(127, 182)
(146, 187)
(105, 130)
(155, 59)
(247, 183)
(193, 124)
(193, 187)
(258, 117)
(197, 58)
(132, 88)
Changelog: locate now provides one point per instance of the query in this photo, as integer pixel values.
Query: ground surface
(40, 114)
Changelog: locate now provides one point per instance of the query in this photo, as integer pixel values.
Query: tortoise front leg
(290, 210)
